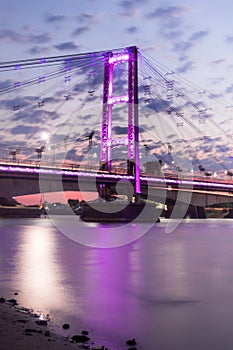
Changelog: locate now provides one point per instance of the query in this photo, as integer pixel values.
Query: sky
(191, 43)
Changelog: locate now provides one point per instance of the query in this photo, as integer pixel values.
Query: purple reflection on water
(168, 291)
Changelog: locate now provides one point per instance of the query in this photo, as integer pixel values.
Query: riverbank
(21, 329)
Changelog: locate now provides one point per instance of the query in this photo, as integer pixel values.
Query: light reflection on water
(169, 291)
(39, 268)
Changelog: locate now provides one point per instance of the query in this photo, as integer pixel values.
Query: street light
(13, 154)
(39, 152)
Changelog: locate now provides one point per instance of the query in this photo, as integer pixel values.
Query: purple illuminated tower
(129, 56)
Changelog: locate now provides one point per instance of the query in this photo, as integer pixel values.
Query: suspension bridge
(116, 114)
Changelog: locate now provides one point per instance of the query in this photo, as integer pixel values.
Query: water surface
(169, 291)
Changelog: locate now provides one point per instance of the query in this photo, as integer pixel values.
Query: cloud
(50, 18)
(72, 155)
(131, 7)
(215, 95)
(157, 105)
(120, 130)
(128, 5)
(38, 50)
(182, 46)
(172, 29)
(221, 60)
(229, 39)
(11, 35)
(22, 129)
(35, 117)
(40, 38)
(80, 30)
(69, 45)
(170, 26)
(229, 89)
(90, 18)
(132, 29)
(86, 17)
(4, 84)
(185, 67)
(167, 12)
(199, 35)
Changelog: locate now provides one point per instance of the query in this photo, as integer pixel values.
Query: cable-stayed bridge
(103, 111)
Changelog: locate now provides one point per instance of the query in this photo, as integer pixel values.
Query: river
(168, 290)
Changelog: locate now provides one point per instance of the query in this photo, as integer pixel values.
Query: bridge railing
(45, 164)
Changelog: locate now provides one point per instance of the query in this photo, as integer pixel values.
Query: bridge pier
(197, 212)
(7, 188)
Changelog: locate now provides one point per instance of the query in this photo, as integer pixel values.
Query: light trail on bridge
(179, 183)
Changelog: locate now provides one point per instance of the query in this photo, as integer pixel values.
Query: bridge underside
(24, 185)
(193, 203)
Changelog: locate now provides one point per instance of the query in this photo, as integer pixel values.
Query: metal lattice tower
(130, 57)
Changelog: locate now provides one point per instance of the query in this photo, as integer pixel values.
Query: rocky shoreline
(22, 329)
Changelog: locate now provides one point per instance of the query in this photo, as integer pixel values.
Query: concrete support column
(7, 188)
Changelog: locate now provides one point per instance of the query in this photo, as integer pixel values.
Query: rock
(12, 301)
(24, 310)
(47, 333)
(132, 348)
(85, 332)
(65, 326)
(131, 342)
(22, 321)
(2, 300)
(15, 293)
(32, 330)
(80, 338)
(42, 322)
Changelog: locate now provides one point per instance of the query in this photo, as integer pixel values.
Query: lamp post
(13, 154)
(39, 152)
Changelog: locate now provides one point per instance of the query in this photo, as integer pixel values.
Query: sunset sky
(190, 42)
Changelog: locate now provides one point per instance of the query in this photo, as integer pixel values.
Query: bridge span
(16, 180)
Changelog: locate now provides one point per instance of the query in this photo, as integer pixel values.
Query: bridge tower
(130, 57)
